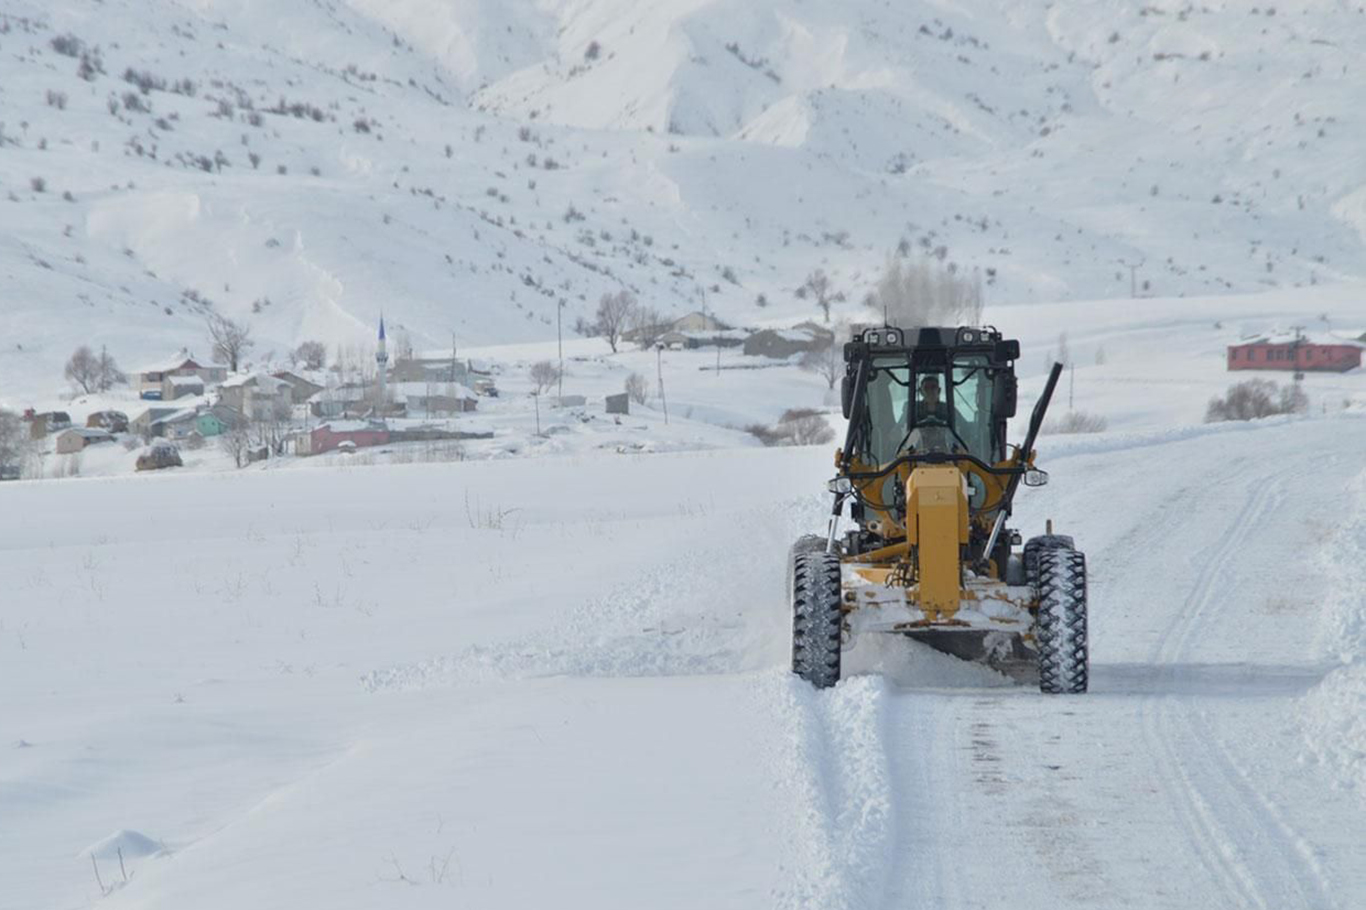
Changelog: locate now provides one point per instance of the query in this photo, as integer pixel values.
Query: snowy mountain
(467, 166)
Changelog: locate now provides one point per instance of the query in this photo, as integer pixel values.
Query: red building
(325, 438)
(1296, 354)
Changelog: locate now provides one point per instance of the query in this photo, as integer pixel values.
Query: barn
(1296, 353)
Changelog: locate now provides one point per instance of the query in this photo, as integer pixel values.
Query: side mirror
(1006, 392)
(1035, 478)
(846, 396)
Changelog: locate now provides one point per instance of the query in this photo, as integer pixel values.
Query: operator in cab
(931, 430)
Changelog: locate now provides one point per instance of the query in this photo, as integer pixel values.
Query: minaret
(382, 361)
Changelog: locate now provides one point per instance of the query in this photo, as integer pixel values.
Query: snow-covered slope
(469, 167)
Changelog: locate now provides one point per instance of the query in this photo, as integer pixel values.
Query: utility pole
(659, 367)
(1071, 384)
(1133, 276)
(1295, 351)
(559, 341)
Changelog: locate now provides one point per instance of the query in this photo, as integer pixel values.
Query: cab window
(972, 388)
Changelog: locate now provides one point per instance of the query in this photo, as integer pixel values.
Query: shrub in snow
(637, 388)
(91, 66)
(1076, 422)
(160, 454)
(796, 427)
(68, 45)
(144, 80)
(1254, 398)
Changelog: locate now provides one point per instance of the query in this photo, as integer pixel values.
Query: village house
(151, 379)
(144, 422)
(783, 343)
(173, 387)
(75, 439)
(698, 321)
(180, 425)
(691, 331)
(301, 387)
(1296, 352)
(342, 401)
(329, 436)
(40, 425)
(434, 399)
(429, 370)
(256, 395)
(113, 421)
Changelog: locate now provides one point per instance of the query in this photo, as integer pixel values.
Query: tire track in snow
(1270, 865)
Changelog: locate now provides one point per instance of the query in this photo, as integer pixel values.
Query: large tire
(1060, 626)
(807, 543)
(1036, 545)
(817, 621)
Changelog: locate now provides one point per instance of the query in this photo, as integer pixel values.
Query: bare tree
(648, 325)
(270, 424)
(15, 446)
(637, 387)
(312, 355)
(231, 340)
(614, 313)
(827, 360)
(818, 286)
(927, 292)
(83, 369)
(236, 441)
(403, 344)
(107, 371)
(543, 374)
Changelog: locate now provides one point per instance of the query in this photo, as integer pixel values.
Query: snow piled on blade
(1334, 718)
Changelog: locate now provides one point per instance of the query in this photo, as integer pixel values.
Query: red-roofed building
(1296, 353)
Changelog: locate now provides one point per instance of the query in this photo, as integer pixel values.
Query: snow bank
(1334, 716)
(130, 843)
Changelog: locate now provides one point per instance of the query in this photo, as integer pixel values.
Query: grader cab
(930, 480)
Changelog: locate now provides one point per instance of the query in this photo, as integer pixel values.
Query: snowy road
(564, 683)
(1182, 779)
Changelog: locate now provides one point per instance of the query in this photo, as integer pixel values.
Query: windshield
(953, 421)
(972, 388)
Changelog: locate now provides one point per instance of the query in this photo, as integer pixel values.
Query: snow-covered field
(517, 684)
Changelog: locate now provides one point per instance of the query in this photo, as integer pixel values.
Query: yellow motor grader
(930, 480)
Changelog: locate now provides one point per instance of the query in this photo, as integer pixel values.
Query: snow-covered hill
(467, 167)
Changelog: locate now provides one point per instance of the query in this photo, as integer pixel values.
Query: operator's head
(929, 389)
